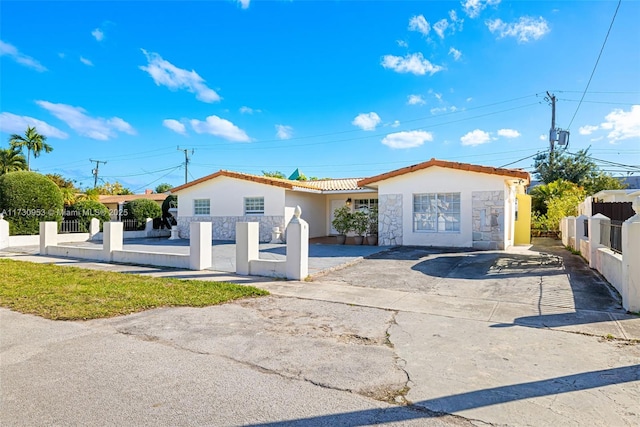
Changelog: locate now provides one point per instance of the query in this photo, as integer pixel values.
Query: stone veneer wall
(488, 219)
(390, 219)
(224, 227)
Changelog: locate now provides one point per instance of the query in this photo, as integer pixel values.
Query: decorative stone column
(297, 247)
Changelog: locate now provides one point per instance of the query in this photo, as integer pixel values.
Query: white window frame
(201, 207)
(365, 205)
(437, 209)
(254, 205)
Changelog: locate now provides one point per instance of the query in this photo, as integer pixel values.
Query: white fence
(94, 234)
(617, 260)
(199, 257)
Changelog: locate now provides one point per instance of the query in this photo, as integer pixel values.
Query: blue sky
(335, 88)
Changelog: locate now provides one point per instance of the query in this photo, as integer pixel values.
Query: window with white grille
(436, 212)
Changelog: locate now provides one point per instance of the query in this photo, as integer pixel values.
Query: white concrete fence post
(571, 232)
(94, 228)
(297, 247)
(112, 239)
(595, 237)
(4, 232)
(199, 245)
(247, 246)
(631, 260)
(148, 226)
(48, 235)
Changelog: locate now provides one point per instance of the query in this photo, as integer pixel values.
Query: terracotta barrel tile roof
(515, 173)
(321, 185)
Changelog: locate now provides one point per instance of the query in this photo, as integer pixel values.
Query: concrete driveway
(322, 257)
(384, 341)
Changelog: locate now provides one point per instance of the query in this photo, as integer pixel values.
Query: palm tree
(11, 160)
(33, 141)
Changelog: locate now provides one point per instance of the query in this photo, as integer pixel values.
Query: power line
(596, 64)
(186, 161)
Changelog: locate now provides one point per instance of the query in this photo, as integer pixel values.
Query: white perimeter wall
(442, 180)
(227, 197)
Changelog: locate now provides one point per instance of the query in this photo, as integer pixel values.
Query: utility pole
(552, 133)
(95, 171)
(186, 161)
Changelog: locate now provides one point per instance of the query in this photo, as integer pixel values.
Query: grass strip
(71, 293)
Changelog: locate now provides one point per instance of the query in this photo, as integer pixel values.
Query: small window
(436, 212)
(254, 205)
(201, 207)
(366, 205)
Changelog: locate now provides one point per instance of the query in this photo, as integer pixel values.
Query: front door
(335, 204)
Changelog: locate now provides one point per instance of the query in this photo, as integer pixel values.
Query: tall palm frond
(32, 141)
(11, 160)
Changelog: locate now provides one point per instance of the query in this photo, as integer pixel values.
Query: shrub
(360, 223)
(342, 220)
(84, 210)
(140, 210)
(26, 199)
(170, 202)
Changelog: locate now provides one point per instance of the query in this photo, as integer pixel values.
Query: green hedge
(140, 210)
(84, 210)
(26, 199)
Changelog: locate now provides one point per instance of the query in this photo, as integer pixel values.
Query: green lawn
(70, 293)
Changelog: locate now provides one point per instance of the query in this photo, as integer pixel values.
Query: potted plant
(360, 226)
(342, 221)
(372, 232)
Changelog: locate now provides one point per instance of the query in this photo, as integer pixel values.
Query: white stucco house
(434, 203)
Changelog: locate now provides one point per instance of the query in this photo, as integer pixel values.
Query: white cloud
(416, 100)
(473, 8)
(437, 110)
(588, 130)
(98, 34)
(469, 99)
(419, 24)
(455, 53)
(622, 124)
(414, 63)
(91, 127)
(411, 139)
(284, 131)
(366, 121)
(12, 123)
(214, 125)
(248, 110)
(402, 43)
(175, 126)
(525, 29)
(166, 74)
(440, 27)
(456, 23)
(244, 3)
(86, 62)
(508, 133)
(22, 59)
(543, 137)
(476, 137)
(395, 124)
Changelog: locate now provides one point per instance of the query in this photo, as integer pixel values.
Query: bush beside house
(26, 199)
(84, 210)
(139, 210)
